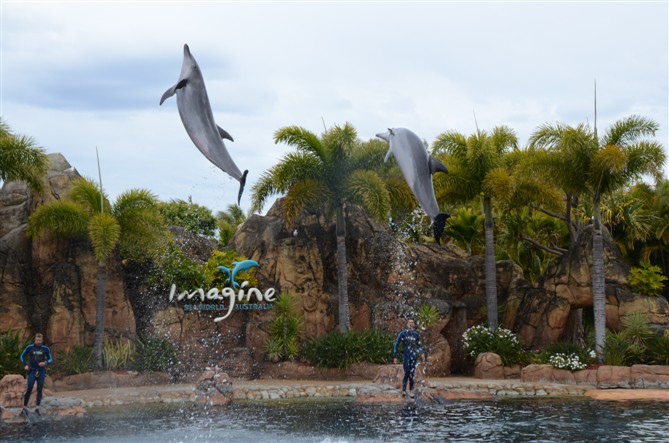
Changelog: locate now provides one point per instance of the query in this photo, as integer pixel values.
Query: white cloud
(80, 74)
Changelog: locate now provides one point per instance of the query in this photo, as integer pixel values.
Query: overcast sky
(76, 75)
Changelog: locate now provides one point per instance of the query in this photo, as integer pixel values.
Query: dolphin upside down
(198, 119)
(417, 167)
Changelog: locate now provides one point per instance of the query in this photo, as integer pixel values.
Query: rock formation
(48, 285)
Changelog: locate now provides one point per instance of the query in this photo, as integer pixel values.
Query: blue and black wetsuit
(411, 348)
(32, 356)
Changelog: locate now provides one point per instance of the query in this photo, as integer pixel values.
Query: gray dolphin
(417, 167)
(196, 115)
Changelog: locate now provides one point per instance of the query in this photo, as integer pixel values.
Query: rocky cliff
(48, 285)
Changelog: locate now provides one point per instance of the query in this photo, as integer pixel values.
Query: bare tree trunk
(490, 265)
(342, 275)
(598, 283)
(100, 290)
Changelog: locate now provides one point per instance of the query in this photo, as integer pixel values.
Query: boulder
(214, 387)
(489, 365)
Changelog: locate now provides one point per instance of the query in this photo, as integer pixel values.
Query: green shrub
(74, 361)
(285, 328)
(155, 354)
(658, 350)
(566, 355)
(480, 339)
(616, 350)
(118, 355)
(647, 280)
(11, 347)
(337, 350)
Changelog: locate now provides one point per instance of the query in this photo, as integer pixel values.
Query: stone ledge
(603, 377)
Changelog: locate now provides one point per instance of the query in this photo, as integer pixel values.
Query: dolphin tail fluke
(439, 225)
(242, 183)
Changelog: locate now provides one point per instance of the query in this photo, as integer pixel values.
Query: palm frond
(305, 141)
(22, 160)
(302, 195)
(104, 233)
(499, 183)
(86, 193)
(452, 143)
(628, 130)
(368, 190)
(61, 217)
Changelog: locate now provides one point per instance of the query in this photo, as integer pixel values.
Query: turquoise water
(548, 420)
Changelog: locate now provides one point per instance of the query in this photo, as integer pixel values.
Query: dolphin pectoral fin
(224, 134)
(387, 157)
(242, 183)
(439, 225)
(437, 166)
(169, 93)
(172, 90)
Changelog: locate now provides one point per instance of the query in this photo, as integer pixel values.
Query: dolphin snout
(384, 135)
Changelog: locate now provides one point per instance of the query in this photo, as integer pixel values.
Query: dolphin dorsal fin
(224, 134)
(437, 166)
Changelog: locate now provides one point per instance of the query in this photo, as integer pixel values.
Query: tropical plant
(337, 350)
(11, 346)
(598, 167)
(647, 279)
(476, 166)
(118, 354)
(285, 328)
(155, 354)
(324, 174)
(21, 159)
(188, 215)
(228, 222)
(479, 339)
(132, 223)
(73, 361)
(465, 227)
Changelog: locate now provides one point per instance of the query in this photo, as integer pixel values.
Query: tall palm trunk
(490, 265)
(598, 284)
(344, 316)
(100, 291)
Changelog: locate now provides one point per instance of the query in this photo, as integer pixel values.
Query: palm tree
(587, 164)
(324, 173)
(132, 223)
(476, 167)
(21, 160)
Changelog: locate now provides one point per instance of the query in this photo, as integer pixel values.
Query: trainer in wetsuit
(35, 357)
(411, 347)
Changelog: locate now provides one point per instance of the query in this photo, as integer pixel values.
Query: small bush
(337, 350)
(11, 347)
(155, 354)
(647, 280)
(565, 355)
(616, 349)
(119, 355)
(74, 361)
(658, 350)
(480, 339)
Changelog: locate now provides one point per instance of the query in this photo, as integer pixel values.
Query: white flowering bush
(571, 362)
(479, 339)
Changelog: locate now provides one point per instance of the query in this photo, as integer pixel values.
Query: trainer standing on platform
(35, 357)
(411, 347)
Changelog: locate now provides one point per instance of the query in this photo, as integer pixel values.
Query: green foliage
(11, 347)
(647, 280)
(285, 328)
(21, 159)
(565, 355)
(411, 226)
(173, 267)
(190, 216)
(228, 222)
(480, 339)
(155, 354)
(658, 350)
(118, 355)
(337, 350)
(427, 316)
(74, 361)
(616, 349)
(465, 227)
(214, 278)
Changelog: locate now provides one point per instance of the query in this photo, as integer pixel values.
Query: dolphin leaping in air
(196, 115)
(417, 167)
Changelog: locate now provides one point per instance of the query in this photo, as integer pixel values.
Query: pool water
(518, 420)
